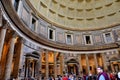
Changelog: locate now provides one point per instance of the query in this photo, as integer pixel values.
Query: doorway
(72, 66)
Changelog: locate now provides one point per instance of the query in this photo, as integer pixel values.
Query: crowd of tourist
(101, 75)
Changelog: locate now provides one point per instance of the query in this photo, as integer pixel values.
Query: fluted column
(63, 63)
(95, 59)
(103, 61)
(2, 38)
(55, 65)
(20, 8)
(87, 63)
(47, 65)
(10, 58)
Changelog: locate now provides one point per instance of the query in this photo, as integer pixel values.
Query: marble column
(26, 67)
(10, 58)
(62, 63)
(103, 61)
(55, 64)
(47, 64)
(40, 64)
(21, 60)
(21, 53)
(2, 38)
(17, 56)
(87, 63)
(20, 6)
(96, 63)
(33, 68)
(80, 65)
(3, 60)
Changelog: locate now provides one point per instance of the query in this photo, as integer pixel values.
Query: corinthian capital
(6, 25)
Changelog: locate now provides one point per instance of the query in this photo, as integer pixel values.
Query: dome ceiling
(79, 14)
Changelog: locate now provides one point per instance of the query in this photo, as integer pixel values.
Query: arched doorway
(72, 67)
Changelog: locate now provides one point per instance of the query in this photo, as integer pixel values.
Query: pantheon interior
(54, 37)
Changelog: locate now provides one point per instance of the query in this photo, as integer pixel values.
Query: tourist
(102, 75)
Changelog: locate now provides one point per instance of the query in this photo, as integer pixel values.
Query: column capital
(20, 39)
(41, 50)
(14, 34)
(5, 24)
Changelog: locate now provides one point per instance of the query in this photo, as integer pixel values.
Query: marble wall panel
(60, 37)
(25, 16)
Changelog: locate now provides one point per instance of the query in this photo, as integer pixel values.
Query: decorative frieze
(31, 45)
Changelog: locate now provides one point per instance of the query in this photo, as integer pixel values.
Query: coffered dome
(79, 14)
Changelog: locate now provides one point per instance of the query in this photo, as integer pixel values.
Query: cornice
(7, 5)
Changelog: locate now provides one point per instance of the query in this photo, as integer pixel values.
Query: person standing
(65, 77)
(118, 76)
(102, 75)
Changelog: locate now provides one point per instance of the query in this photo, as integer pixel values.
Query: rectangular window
(16, 3)
(69, 38)
(108, 37)
(33, 24)
(88, 39)
(51, 34)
